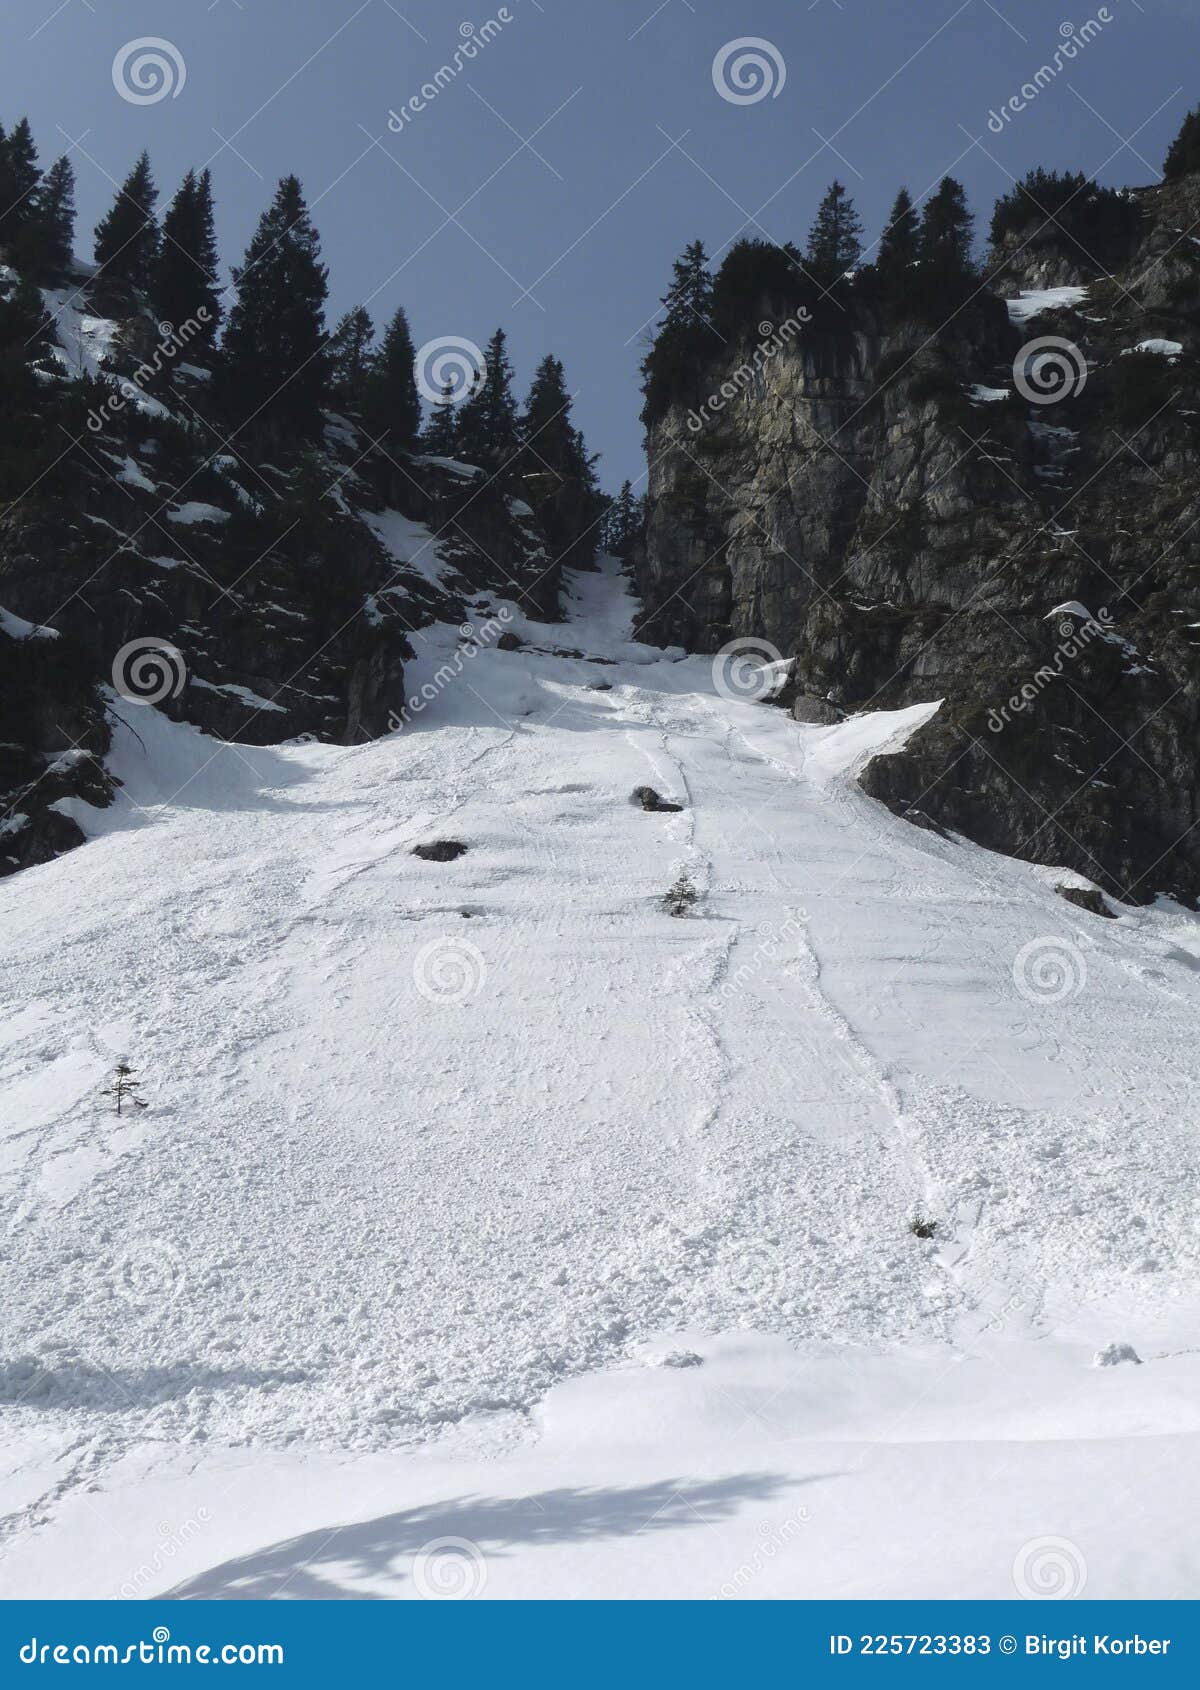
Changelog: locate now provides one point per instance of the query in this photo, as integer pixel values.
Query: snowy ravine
(485, 1199)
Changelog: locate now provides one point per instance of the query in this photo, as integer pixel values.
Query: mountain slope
(426, 1140)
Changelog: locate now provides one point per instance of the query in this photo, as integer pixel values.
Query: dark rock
(818, 711)
(651, 800)
(509, 642)
(905, 542)
(1087, 898)
(440, 851)
(599, 686)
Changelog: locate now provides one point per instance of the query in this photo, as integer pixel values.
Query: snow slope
(485, 1199)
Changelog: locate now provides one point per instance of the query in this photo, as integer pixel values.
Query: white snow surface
(1037, 300)
(487, 1200)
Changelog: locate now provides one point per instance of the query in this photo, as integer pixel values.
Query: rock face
(884, 505)
(258, 600)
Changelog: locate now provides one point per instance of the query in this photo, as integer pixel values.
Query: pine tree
(557, 472)
(440, 438)
(546, 428)
(689, 299)
(835, 239)
(1183, 155)
(44, 246)
(127, 239)
(124, 1088)
(350, 358)
(185, 277)
(391, 404)
(19, 177)
(276, 368)
(624, 522)
(945, 242)
(684, 338)
(899, 248)
(488, 420)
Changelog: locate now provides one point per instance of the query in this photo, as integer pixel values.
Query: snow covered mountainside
(491, 1229)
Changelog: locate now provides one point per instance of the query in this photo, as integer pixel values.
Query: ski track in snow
(357, 1218)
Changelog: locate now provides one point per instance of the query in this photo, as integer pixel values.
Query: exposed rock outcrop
(884, 505)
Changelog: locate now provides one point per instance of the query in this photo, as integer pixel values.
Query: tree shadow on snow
(309, 1567)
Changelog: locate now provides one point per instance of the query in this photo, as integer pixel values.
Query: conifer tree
(624, 521)
(391, 404)
(1183, 155)
(945, 242)
(350, 358)
(487, 425)
(899, 248)
(684, 337)
(43, 247)
(276, 368)
(688, 301)
(440, 438)
(835, 239)
(185, 277)
(18, 181)
(127, 238)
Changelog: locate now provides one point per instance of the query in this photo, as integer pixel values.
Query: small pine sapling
(124, 1088)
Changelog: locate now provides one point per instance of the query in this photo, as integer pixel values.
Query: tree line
(276, 368)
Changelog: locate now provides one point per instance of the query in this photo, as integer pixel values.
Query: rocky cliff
(915, 510)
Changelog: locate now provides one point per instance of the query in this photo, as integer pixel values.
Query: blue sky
(549, 186)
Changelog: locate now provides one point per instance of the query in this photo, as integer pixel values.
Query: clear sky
(548, 187)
